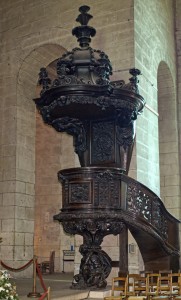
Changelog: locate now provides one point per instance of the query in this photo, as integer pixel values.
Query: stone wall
(157, 129)
(154, 42)
(178, 44)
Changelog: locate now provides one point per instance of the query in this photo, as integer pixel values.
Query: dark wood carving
(79, 192)
(98, 198)
(103, 149)
(138, 205)
(95, 267)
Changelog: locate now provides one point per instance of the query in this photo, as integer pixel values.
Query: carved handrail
(145, 204)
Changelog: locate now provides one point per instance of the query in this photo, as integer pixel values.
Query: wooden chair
(140, 288)
(48, 266)
(164, 288)
(119, 286)
(132, 280)
(152, 285)
(136, 287)
(176, 285)
(165, 285)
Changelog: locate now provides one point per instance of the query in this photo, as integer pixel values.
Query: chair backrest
(119, 284)
(165, 284)
(152, 283)
(176, 283)
(136, 285)
(132, 280)
(165, 272)
(52, 261)
(140, 285)
(145, 273)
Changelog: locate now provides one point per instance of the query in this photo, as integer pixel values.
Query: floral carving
(73, 127)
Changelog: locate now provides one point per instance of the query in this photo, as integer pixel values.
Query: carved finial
(44, 80)
(84, 18)
(134, 80)
(135, 72)
(84, 32)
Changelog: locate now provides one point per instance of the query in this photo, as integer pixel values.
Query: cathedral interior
(136, 35)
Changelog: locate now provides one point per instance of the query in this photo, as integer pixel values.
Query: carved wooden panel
(80, 192)
(102, 142)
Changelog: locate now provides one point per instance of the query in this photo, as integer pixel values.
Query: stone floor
(60, 287)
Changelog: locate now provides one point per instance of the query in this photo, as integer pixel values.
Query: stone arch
(39, 160)
(168, 140)
(28, 73)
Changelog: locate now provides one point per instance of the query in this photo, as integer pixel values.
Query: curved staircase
(155, 230)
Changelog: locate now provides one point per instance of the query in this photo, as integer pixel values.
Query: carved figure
(74, 127)
(94, 268)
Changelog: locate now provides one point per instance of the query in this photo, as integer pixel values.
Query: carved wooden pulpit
(99, 198)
